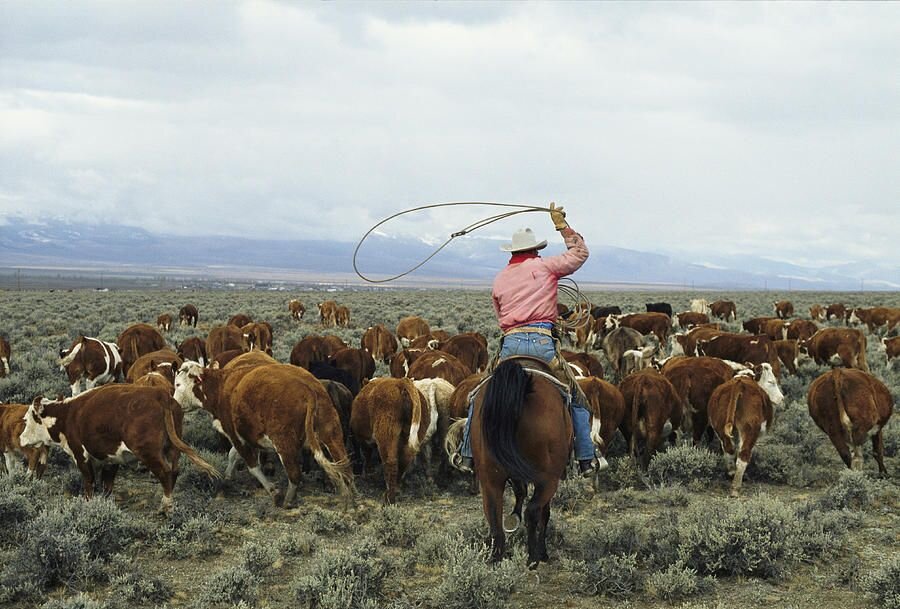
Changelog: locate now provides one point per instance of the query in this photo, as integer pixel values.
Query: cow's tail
(731, 413)
(339, 471)
(189, 452)
(5, 364)
(861, 357)
(635, 408)
(416, 417)
(837, 383)
(501, 411)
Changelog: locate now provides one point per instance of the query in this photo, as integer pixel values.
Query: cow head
(189, 392)
(612, 321)
(765, 378)
(36, 425)
(676, 344)
(854, 317)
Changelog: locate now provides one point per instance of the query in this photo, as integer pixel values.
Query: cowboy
(524, 295)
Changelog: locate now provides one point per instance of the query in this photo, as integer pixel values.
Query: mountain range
(126, 249)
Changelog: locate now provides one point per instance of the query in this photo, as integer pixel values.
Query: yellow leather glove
(558, 216)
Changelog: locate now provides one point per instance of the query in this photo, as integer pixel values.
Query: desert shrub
(852, 490)
(623, 473)
(192, 480)
(432, 546)
(891, 436)
(15, 506)
(653, 541)
(132, 587)
(297, 544)
(571, 494)
(470, 582)
(228, 587)
(343, 578)
(257, 556)
(326, 522)
(199, 433)
(79, 601)
(615, 575)
(396, 527)
(675, 583)
(884, 584)
(187, 535)
(823, 532)
(682, 464)
(757, 536)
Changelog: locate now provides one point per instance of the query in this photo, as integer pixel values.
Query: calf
(438, 394)
(188, 315)
(379, 342)
(723, 309)
(437, 364)
(12, 424)
(616, 344)
(4, 357)
(846, 343)
(891, 348)
(296, 309)
(688, 319)
(164, 322)
(410, 328)
(659, 307)
(91, 359)
(607, 408)
(136, 340)
(817, 313)
(783, 309)
(224, 338)
(650, 402)
(849, 406)
(275, 407)
(389, 414)
(101, 426)
(739, 411)
(788, 353)
(194, 349)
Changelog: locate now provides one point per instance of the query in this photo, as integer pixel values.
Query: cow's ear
(214, 366)
(37, 406)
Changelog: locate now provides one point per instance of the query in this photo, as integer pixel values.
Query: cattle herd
(670, 374)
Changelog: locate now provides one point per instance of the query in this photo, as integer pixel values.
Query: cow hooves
(735, 493)
(278, 498)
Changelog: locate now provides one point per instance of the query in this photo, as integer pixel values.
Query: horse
(521, 433)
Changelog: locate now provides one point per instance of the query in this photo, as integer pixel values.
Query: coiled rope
(581, 314)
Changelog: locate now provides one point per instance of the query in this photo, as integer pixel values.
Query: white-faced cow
(164, 322)
(12, 424)
(91, 359)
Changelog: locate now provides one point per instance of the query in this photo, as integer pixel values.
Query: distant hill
(115, 247)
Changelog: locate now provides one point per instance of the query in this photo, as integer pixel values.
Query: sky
(702, 129)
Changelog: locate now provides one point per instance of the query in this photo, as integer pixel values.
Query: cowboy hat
(522, 241)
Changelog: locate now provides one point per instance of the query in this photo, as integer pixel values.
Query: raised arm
(576, 251)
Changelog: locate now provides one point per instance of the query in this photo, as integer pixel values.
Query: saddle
(535, 367)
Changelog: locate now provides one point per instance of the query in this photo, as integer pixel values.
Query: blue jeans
(541, 346)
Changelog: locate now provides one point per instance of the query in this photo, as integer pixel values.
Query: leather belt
(534, 329)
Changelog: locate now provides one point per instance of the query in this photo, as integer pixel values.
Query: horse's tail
(501, 410)
(635, 407)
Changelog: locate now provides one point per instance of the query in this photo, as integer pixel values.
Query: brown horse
(521, 433)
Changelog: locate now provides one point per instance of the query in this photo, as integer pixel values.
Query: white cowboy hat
(522, 241)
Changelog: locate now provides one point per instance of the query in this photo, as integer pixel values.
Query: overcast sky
(771, 129)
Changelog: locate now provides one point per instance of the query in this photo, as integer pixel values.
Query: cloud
(768, 129)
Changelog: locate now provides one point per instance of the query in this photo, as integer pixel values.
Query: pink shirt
(525, 292)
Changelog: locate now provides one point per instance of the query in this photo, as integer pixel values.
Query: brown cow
(155, 379)
(402, 361)
(849, 406)
(836, 312)
(607, 408)
(801, 329)
(846, 343)
(437, 364)
(650, 401)
(136, 340)
(225, 357)
(775, 329)
(817, 313)
(194, 349)
(742, 348)
(164, 322)
(789, 353)
(583, 364)
(328, 313)
(314, 348)
(12, 424)
(694, 380)
(876, 317)
(470, 348)
(891, 347)
(739, 412)
(165, 361)
(5, 352)
(103, 424)
(659, 324)
(687, 343)
(188, 315)
(358, 364)
(584, 336)
(391, 414)
(257, 336)
(342, 316)
(756, 325)
(224, 338)
(91, 359)
(379, 342)
(297, 309)
(410, 328)
(783, 309)
(723, 309)
(689, 319)
(239, 320)
(276, 407)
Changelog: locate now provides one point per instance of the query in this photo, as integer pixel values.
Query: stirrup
(463, 464)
